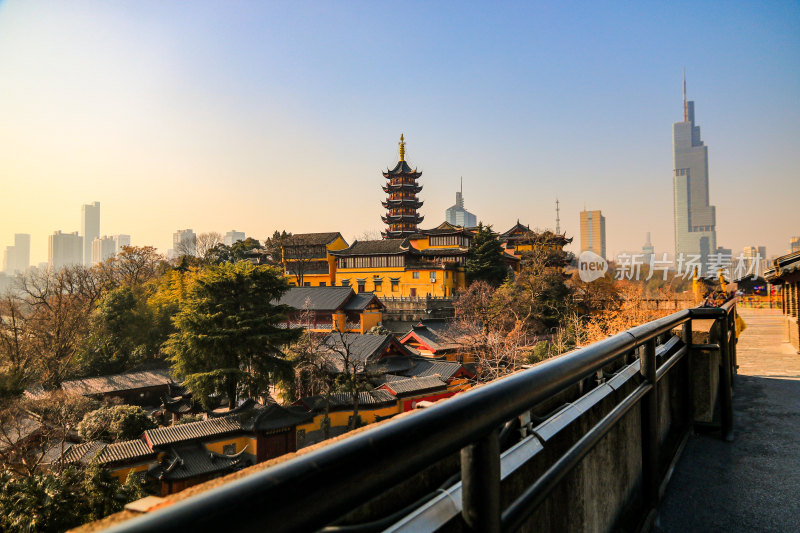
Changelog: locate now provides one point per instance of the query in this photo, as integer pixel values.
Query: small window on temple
(306, 284)
(322, 284)
(433, 276)
(395, 285)
(362, 286)
(378, 285)
(345, 283)
(415, 275)
(229, 449)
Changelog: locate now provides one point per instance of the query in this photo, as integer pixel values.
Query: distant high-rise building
(9, 260)
(593, 232)
(648, 251)
(233, 236)
(103, 248)
(457, 215)
(753, 254)
(64, 249)
(184, 242)
(120, 241)
(22, 251)
(695, 218)
(90, 229)
(794, 245)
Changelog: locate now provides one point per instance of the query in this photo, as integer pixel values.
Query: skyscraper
(457, 215)
(22, 251)
(64, 249)
(593, 232)
(184, 242)
(17, 258)
(648, 251)
(9, 260)
(232, 236)
(695, 218)
(120, 241)
(90, 229)
(103, 248)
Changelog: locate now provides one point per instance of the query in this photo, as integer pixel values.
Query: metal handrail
(312, 490)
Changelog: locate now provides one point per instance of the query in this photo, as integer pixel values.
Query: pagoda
(401, 201)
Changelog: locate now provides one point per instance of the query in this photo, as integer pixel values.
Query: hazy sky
(258, 116)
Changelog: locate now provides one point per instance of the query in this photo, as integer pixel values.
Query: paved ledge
(752, 484)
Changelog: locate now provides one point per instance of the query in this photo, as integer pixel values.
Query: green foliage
(49, 502)
(485, 258)
(228, 336)
(125, 332)
(188, 419)
(115, 423)
(234, 253)
(273, 246)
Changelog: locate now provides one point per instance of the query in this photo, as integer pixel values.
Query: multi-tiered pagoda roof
(401, 202)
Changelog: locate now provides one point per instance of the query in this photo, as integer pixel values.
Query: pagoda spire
(402, 203)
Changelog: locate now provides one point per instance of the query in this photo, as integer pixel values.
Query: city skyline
(219, 121)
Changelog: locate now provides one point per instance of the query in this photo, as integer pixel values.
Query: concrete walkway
(753, 483)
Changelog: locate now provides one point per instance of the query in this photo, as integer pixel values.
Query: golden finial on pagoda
(402, 148)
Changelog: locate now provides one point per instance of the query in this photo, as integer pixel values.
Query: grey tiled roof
(319, 298)
(443, 369)
(312, 239)
(194, 460)
(275, 417)
(83, 453)
(356, 346)
(126, 450)
(359, 301)
(402, 168)
(381, 247)
(371, 398)
(416, 385)
(192, 431)
(118, 382)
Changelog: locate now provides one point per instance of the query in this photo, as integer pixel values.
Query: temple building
(520, 239)
(307, 259)
(401, 201)
(424, 263)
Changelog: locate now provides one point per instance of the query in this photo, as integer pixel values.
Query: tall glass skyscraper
(457, 215)
(695, 219)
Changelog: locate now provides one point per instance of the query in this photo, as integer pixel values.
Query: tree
(238, 251)
(133, 267)
(339, 355)
(115, 423)
(56, 309)
(274, 247)
(124, 333)
(30, 427)
(228, 336)
(485, 258)
(206, 242)
(50, 502)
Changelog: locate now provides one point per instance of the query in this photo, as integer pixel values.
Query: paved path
(753, 483)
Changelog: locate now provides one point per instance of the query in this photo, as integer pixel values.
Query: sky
(259, 116)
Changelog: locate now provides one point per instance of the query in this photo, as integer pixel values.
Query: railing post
(686, 335)
(726, 393)
(480, 484)
(650, 444)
